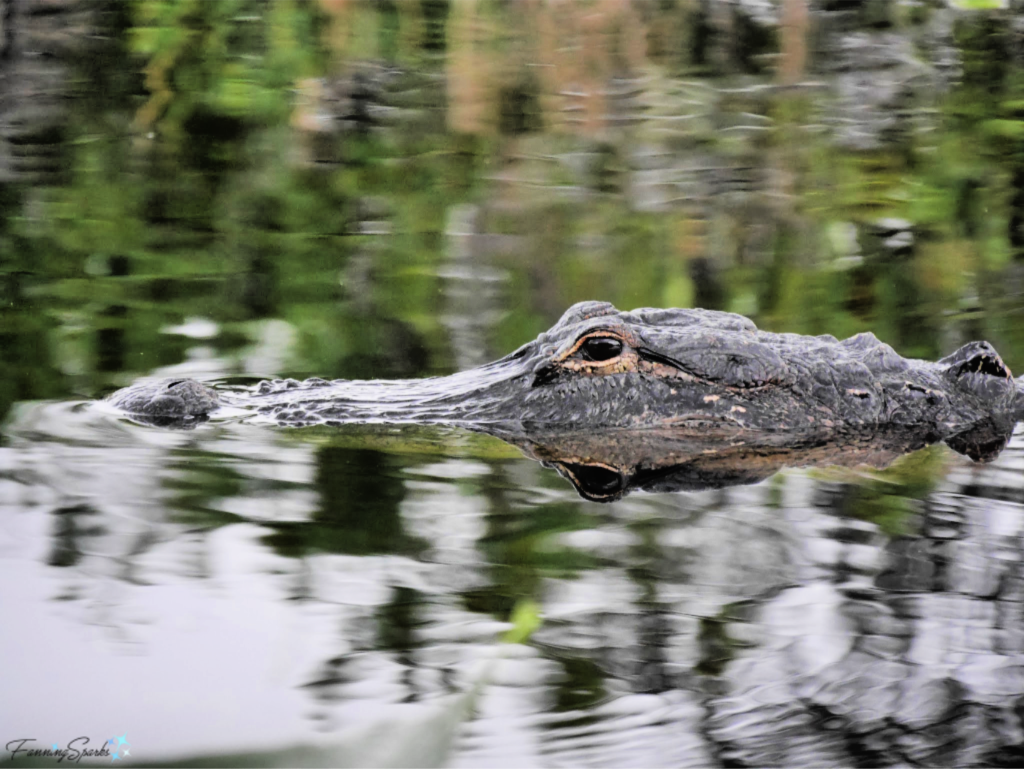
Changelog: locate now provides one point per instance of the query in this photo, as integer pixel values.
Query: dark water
(404, 189)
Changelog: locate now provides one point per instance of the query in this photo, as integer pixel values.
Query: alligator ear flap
(982, 443)
(976, 358)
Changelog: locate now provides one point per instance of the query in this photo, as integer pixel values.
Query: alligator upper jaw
(478, 396)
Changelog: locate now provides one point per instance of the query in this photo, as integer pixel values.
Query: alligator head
(602, 368)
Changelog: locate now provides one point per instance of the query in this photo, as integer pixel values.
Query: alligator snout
(179, 398)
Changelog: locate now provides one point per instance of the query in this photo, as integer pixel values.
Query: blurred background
(405, 188)
(240, 189)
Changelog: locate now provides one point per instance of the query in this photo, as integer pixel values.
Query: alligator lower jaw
(694, 421)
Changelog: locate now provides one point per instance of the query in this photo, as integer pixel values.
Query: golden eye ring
(599, 348)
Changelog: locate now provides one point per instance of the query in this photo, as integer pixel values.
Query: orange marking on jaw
(662, 371)
(711, 398)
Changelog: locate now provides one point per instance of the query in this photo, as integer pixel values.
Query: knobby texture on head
(601, 368)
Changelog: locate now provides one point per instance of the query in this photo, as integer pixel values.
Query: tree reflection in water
(810, 617)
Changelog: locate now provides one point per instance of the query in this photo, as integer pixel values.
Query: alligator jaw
(1018, 404)
(478, 396)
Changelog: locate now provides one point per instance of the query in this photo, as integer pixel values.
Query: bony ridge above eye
(600, 348)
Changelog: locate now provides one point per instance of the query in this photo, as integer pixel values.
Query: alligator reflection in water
(771, 624)
(606, 465)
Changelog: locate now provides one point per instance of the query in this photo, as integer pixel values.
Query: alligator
(599, 368)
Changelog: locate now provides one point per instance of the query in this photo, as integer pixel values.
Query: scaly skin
(599, 368)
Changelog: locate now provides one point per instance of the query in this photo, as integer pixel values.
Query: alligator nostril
(175, 383)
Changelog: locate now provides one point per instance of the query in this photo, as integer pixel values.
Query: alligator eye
(600, 348)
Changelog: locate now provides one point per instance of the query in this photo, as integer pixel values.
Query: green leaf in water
(525, 619)
(981, 5)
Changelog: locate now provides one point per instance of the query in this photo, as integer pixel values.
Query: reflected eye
(600, 348)
(598, 483)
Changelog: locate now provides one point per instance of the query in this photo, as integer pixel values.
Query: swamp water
(381, 595)
(230, 190)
